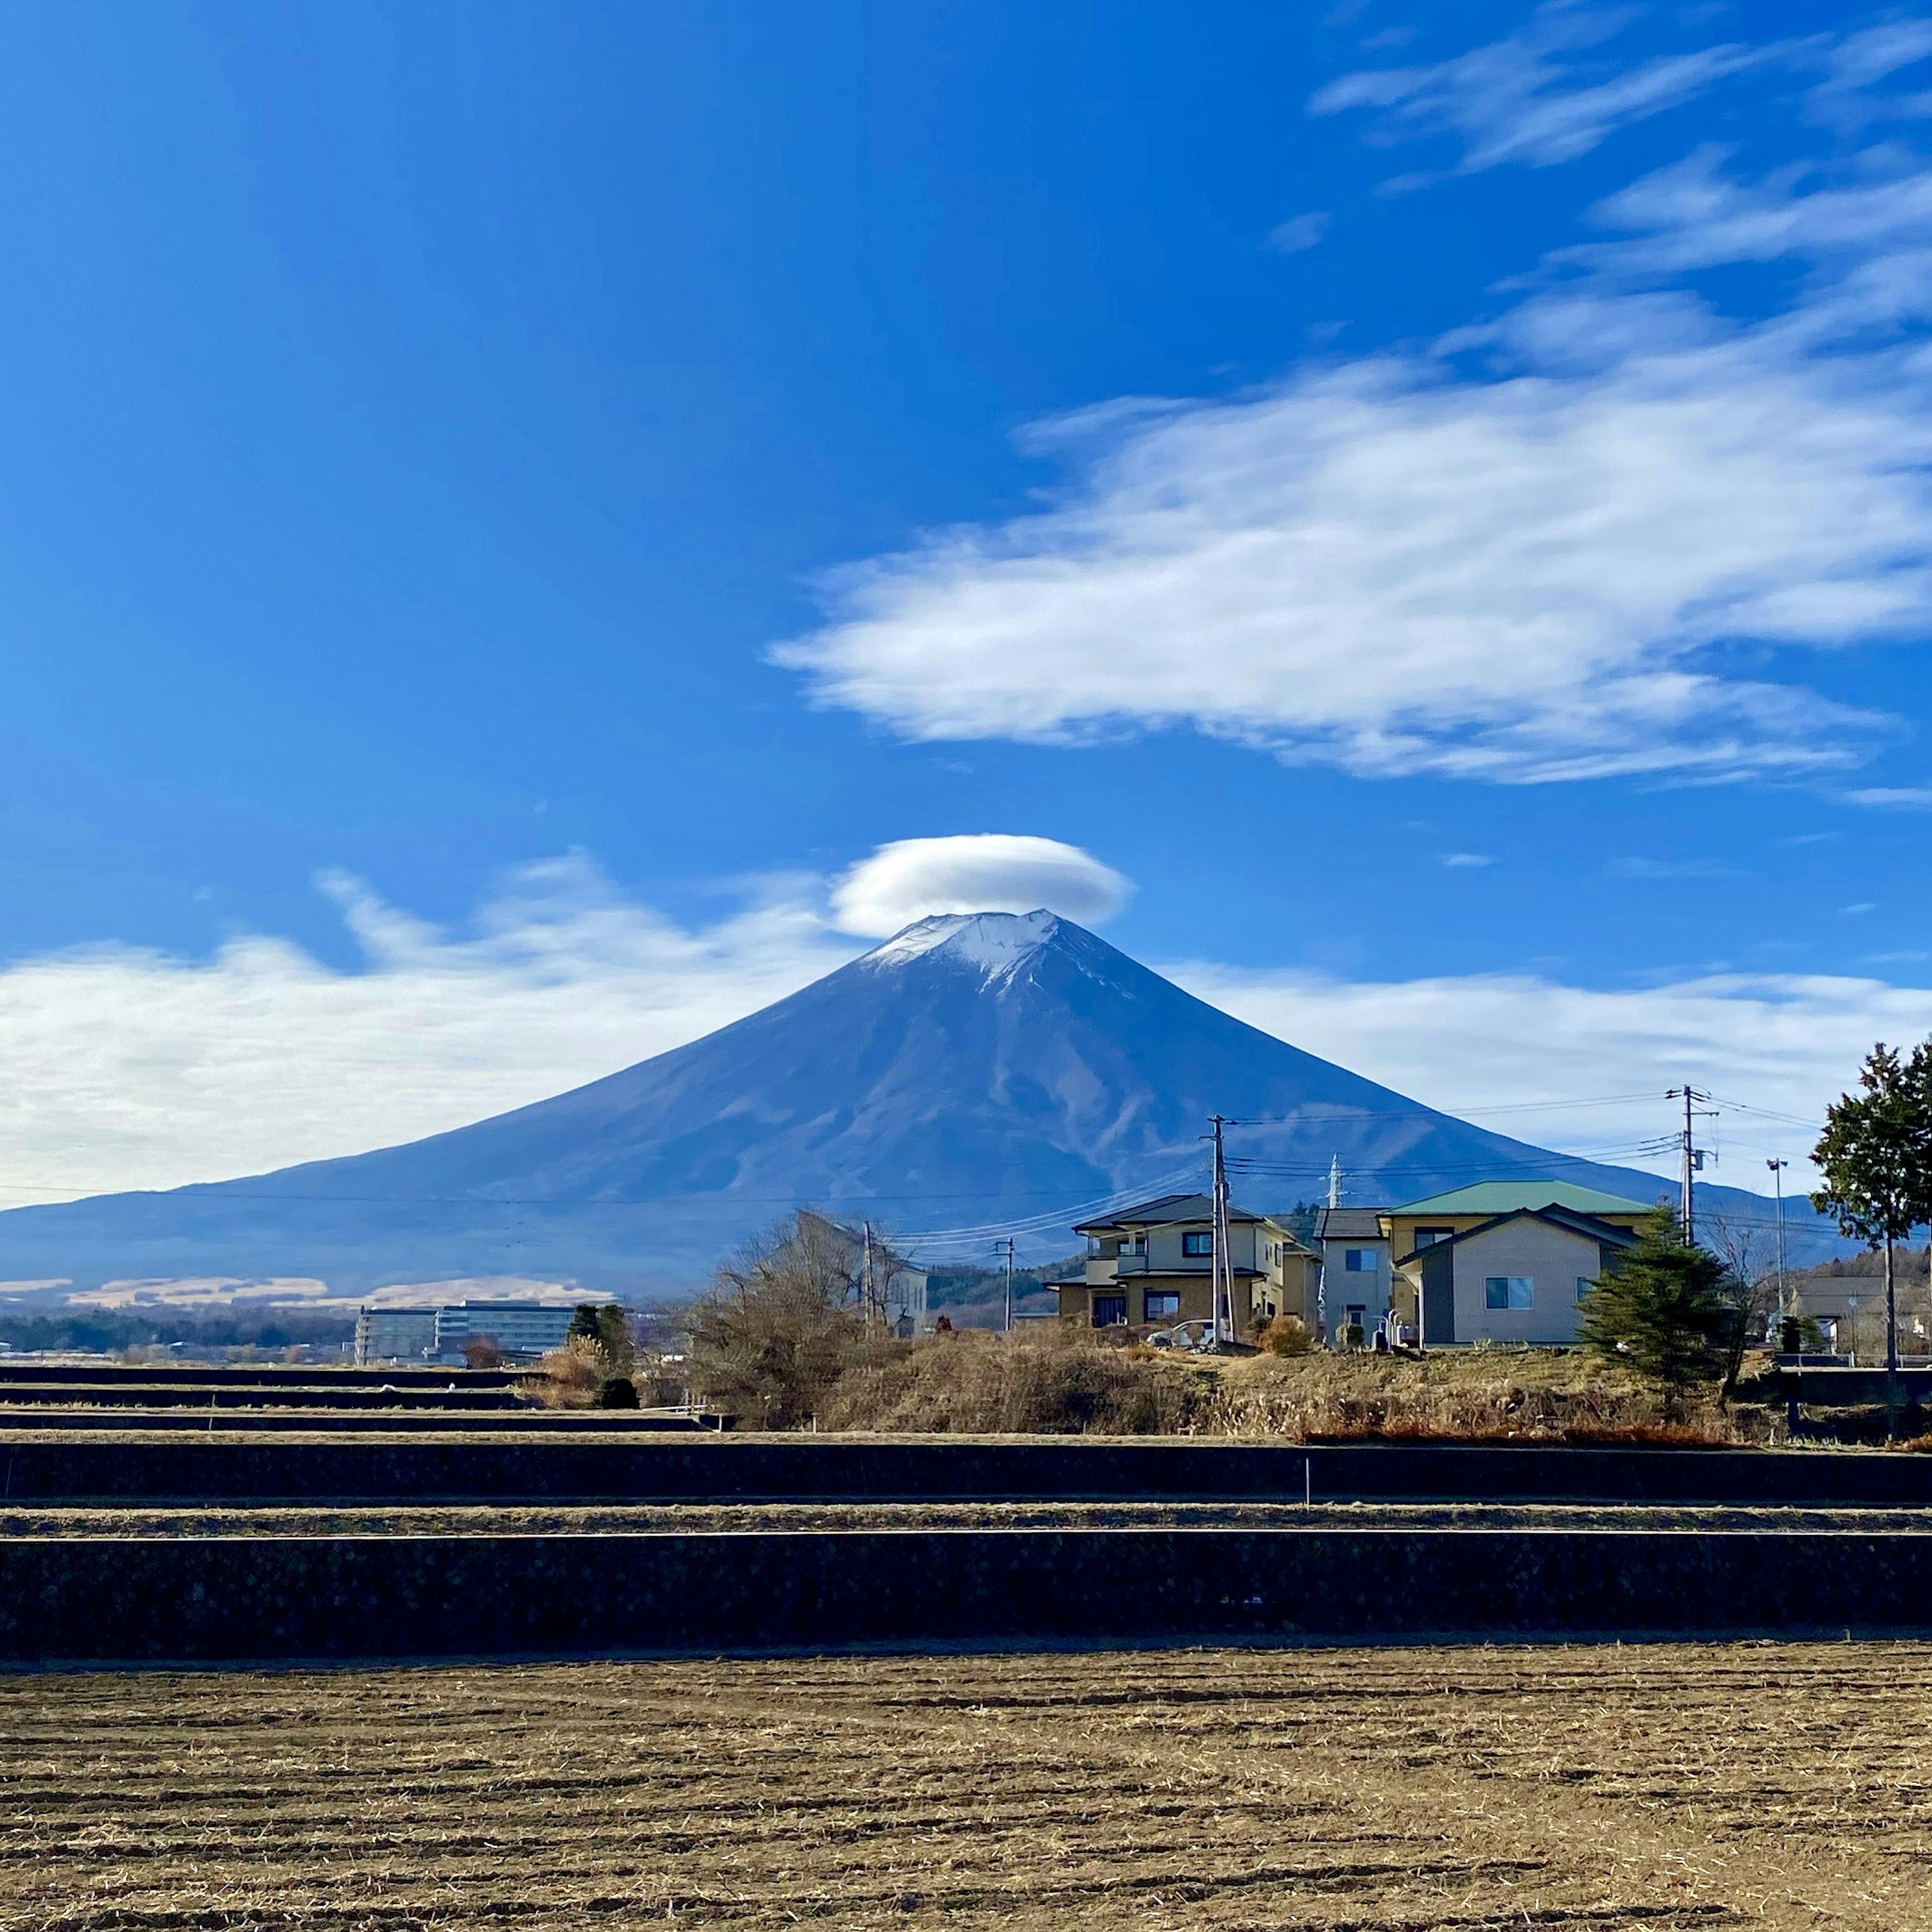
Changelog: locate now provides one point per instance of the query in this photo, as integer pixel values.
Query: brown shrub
(1284, 1335)
(572, 1377)
(975, 1383)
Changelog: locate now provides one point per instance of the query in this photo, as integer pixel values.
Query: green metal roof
(1504, 1197)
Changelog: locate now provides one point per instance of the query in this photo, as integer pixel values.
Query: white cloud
(1691, 215)
(1908, 798)
(1292, 236)
(1460, 860)
(1528, 98)
(1404, 564)
(1861, 59)
(128, 1068)
(1536, 1059)
(990, 872)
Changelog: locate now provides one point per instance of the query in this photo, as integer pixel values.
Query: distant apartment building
(405, 1335)
(530, 1328)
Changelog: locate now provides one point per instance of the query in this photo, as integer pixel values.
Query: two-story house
(1153, 1265)
(1505, 1260)
(1355, 1272)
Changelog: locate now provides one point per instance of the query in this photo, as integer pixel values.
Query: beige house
(1153, 1266)
(1506, 1261)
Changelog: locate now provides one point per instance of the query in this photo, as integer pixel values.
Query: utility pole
(1222, 1275)
(1692, 1158)
(1010, 1284)
(1334, 1181)
(1777, 1168)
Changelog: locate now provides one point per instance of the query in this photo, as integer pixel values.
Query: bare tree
(1752, 1293)
(780, 1323)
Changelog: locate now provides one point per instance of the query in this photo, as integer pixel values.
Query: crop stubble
(1659, 1786)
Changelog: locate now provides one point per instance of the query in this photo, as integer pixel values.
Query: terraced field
(324, 1518)
(1660, 1786)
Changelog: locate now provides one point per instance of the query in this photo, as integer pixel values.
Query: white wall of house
(1551, 1259)
(1366, 1287)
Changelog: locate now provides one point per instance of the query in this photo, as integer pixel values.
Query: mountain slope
(983, 1072)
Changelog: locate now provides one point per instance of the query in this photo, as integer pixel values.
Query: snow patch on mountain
(995, 944)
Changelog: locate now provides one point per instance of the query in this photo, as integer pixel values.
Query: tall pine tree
(1667, 1309)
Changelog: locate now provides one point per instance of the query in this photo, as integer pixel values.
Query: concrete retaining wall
(714, 1468)
(48, 1399)
(420, 1420)
(247, 1375)
(236, 1599)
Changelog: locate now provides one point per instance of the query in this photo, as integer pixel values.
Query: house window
(1162, 1306)
(1508, 1291)
(1198, 1242)
(1137, 1246)
(1584, 1285)
(1358, 1261)
(1110, 1311)
(1425, 1237)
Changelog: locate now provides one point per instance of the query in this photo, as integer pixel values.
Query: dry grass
(1531, 1396)
(1056, 1384)
(1063, 1383)
(1663, 1787)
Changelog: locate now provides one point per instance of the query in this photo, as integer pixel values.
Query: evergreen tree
(1875, 1156)
(1666, 1308)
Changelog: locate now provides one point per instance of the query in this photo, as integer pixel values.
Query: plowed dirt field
(1658, 1786)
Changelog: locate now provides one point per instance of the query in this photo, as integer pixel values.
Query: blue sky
(1432, 497)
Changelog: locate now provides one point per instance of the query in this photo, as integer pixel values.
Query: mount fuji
(977, 1075)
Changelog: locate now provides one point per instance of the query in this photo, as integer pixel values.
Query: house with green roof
(1505, 1260)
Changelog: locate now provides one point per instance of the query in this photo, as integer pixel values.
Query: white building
(1355, 1276)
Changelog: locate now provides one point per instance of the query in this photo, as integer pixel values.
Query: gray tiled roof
(1349, 1224)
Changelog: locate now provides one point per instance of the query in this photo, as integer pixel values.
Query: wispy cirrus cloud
(1394, 565)
(1540, 96)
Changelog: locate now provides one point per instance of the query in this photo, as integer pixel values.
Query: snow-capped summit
(993, 943)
